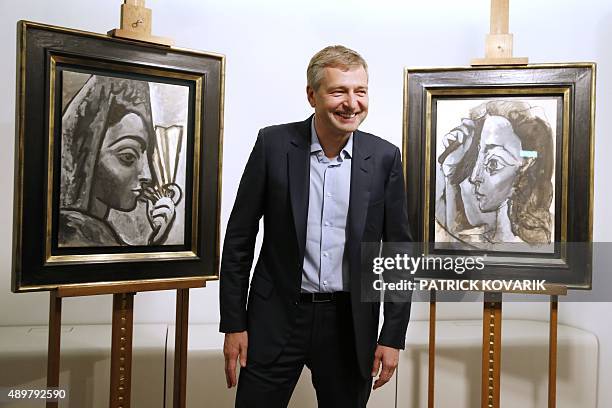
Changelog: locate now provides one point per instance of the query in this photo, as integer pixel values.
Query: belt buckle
(315, 300)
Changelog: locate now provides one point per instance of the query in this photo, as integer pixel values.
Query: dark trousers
(323, 340)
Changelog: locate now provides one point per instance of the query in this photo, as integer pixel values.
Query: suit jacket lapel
(361, 174)
(299, 181)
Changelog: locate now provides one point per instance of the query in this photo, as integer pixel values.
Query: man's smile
(346, 115)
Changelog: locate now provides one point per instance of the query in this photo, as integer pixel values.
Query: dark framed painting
(499, 164)
(118, 160)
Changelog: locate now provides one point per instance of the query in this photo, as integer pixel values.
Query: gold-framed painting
(499, 163)
(118, 160)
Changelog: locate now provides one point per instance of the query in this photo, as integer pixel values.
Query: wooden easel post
(431, 375)
(53, 347)
(121, 350)
(491, 350)
(499, 42)
(179, 397)
(552, 352)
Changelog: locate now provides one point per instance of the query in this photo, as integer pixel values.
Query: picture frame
(117, 161)
(499, 164)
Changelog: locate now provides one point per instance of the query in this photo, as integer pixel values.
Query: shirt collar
(315, 145)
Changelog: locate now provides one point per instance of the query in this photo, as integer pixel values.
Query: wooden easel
(499, 45)
(491, 346)
(498, 52)
(121, 340)
(136, 26)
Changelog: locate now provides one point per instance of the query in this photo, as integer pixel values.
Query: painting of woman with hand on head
(495, 176)
(109, 160)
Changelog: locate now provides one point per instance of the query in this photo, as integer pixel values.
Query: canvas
(495, 176)
(134, 131)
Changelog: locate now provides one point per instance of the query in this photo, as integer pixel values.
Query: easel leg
(121, 350)
(491, 350)
(53, 348)
(180, 348)
(432, 350)
(552, 352)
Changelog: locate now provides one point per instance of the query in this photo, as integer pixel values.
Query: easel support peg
(136, 21)
(499, 42)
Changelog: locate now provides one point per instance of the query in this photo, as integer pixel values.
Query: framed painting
(118, 160)
(499, 163)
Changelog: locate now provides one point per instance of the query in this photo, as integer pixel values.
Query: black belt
(323, 297)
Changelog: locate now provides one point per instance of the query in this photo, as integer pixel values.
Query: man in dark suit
(323, 187)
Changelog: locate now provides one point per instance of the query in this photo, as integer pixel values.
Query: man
(323, 187)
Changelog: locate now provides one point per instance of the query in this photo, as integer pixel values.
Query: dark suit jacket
(275, 185)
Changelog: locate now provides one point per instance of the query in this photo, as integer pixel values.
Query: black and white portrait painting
(123, 164)
(118, 154)
(495, 172)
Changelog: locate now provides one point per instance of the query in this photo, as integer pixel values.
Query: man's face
(341, 101)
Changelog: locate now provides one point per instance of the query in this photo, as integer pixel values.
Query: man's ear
(310, 94)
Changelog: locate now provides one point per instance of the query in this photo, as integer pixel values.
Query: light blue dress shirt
(325, 264)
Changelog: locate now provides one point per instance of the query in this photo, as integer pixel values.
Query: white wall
(268, 44)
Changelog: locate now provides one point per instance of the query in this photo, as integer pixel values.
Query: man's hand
(235, 346)
(389, 358)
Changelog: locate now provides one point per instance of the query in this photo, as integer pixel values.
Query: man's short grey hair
(334, 56)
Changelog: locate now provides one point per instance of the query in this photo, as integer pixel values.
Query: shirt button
(327, 223)
(325, 282)
(325, 254)
(329, 194)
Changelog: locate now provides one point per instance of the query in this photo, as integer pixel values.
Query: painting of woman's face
(494, 182)
(123, 167)
(123, 158)
(497, 165)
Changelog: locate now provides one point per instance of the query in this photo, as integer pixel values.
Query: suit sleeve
(239, 244)
(396, 239)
